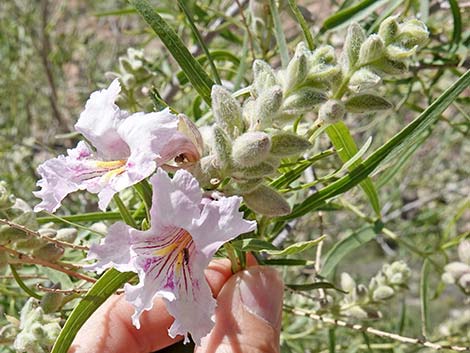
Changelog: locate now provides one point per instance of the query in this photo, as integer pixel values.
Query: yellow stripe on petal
(110, 164)
(166, 250)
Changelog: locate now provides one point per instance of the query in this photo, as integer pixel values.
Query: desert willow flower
(186, 230)
(127, 149)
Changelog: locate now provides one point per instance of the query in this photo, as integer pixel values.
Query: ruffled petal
(193, 309)
(220, 222)
(99, 123)
(175, 201)
(113, 251)
(59, 178)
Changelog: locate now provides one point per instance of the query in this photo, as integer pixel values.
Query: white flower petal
(100, 120)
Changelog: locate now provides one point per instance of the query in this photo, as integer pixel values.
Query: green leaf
(101, 290)
(200, 40)
(344, 143)
(345, 246)
(315, 285)
(457, 32)
(279, 33)
(353, 13)
(190, 66)
(303, 24)
(397, 145)
(295, 248)
(253, 244)
(287, 262)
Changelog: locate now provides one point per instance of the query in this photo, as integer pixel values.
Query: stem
(233, 257)
(376, 332)
(22, 284)
(30, 260)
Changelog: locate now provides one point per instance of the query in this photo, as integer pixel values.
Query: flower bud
(371, 50)
(267, 202)
(352, 44)
(324, 55)
(30, 243)
(362, 292)
(297, 69)
(383, 293)
(285, 144)
(222, 149)
(264, 77)
(47, 232)
(251, 148)
(255, 172)
(413, 33)
(389, 29)
(389, 67)
(67, 234)
(356, 312)
(332, 111)
(366, 103)
(456, 269)
(347, 282)
(303, 101)
(227, 111)
(49, 252)
(51, 301)
(464, 251)
(265, 107)
(363, 79)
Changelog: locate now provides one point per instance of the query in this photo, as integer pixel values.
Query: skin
(240, 325)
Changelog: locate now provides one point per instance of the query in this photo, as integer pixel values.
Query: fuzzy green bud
(464, 251)
(356, 312)
(389, 29)
(371, 50)
(222, 148)
(264, 77)
(352, 44)
(363, 79)
(324, 55)
(332, 111)
(285, 144)
(255, 172)
(227, 111)
(303, 101)
(297, 69)
(347, 282)
(413, 33)
(49, 252)
(397, 273)
(67, 234)
(365, 103)
(51, 301)
(383, 293)
(267, 202)
(389, 67)
(266, 107)
(251, 148)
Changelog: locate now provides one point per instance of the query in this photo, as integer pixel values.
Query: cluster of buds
(248, 141)
(36, 330)
(456, 325)
(361, 301)
(458, 272)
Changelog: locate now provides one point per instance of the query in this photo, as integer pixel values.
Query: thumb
(248, 314)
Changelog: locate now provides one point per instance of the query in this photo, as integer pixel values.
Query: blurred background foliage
(54, 53)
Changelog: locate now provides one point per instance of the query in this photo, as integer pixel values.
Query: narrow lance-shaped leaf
(190, 66)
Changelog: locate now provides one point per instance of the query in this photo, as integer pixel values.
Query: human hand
(248, 318)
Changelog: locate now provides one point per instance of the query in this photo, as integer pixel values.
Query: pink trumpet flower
(170, 258)
(127, 149)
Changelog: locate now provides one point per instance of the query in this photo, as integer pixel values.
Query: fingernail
(261, 292)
